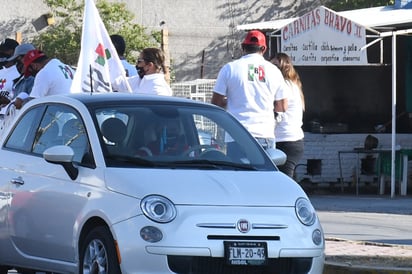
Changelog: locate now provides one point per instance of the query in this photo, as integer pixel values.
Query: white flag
(7, 75)
(98, 65)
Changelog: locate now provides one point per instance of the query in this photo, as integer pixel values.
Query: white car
(122, 183)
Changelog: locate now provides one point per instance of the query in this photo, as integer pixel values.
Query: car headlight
(305, 211)
(158, 208)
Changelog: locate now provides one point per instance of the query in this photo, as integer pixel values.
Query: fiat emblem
(243, 226)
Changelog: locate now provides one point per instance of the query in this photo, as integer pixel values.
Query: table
(401, 162)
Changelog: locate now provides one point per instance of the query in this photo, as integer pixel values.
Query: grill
(209, 265)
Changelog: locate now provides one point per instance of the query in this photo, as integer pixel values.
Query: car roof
(117, 97)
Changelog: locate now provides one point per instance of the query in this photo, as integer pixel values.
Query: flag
(99, 64)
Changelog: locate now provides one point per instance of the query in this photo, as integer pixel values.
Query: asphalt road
(366, 218)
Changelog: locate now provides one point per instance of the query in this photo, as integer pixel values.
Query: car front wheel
(98, 253)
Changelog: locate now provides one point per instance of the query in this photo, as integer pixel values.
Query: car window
(162, 134)
(208, 132)
(62, 125)
(22, 134)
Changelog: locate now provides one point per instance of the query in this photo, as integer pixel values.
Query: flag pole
(91, 79)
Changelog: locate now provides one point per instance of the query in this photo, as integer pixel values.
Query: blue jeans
(294, 152)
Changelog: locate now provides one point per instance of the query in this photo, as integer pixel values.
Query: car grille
(208, 265)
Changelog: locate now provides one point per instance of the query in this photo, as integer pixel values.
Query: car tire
(98, 251)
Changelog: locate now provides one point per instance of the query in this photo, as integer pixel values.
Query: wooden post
(165, 48)
(18, 37)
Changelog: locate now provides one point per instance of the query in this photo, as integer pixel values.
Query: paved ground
(386, 251)
(343, 256)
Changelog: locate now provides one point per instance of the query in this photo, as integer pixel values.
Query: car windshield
(176, 136)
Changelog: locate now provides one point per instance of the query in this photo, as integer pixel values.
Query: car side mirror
(277, 156)
(62, 155)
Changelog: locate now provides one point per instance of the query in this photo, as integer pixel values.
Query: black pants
(294, 152)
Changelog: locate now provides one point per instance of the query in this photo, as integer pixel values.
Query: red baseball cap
(256, 38)
(31, 56)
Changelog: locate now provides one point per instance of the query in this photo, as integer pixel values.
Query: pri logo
(243, 226)
(5, 93)
(256, 71)
(102, 55)
(2, 83)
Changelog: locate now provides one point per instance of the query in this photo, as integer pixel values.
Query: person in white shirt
(51, 76)
(288, 130)
(23, 84)
(151, 78)
(249, 88)
(120, 45)
(8, 71)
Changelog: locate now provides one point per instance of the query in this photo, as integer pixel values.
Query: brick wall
(326, 147)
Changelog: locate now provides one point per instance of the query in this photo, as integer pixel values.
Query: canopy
(386, 17)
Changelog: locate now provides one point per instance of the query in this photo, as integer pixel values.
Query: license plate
(245, 253)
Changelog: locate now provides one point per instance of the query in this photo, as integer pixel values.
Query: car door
(22, 135)
(44, 202)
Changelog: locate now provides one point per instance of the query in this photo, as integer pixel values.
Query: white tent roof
(379, 16)
(370, 17)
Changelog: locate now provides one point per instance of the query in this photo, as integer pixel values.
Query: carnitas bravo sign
(322, 37)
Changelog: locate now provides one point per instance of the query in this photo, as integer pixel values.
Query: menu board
(322, 37)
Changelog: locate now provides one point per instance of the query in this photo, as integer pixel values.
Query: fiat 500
(122, 183)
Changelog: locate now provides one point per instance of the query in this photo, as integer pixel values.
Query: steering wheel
(145, 150)
(202, 148)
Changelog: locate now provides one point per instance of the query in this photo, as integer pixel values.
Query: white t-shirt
(150, 84)
(251, 85)
(54, 78)
(289, 129)
(7, 75)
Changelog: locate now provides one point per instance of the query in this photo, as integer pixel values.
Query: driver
(169, 139)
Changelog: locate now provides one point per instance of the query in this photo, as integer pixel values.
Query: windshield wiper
(202, 163)
(138, 161)
(195, 163)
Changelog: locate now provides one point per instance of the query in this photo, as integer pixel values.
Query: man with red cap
(249, 88)
(23, 84)
(51, 75)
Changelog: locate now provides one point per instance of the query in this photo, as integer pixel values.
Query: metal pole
(393, 115)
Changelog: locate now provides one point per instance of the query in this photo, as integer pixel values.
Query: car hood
(198, 187)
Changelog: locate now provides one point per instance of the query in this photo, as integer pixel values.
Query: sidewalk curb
(337, 268)
(334, 267)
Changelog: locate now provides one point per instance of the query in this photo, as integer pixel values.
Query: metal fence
(199, 90)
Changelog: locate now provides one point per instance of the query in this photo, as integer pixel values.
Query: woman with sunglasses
(151, 75)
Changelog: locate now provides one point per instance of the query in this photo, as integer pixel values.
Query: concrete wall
(196, 27)
(17, 15)
(199, 27)
(326, 147)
